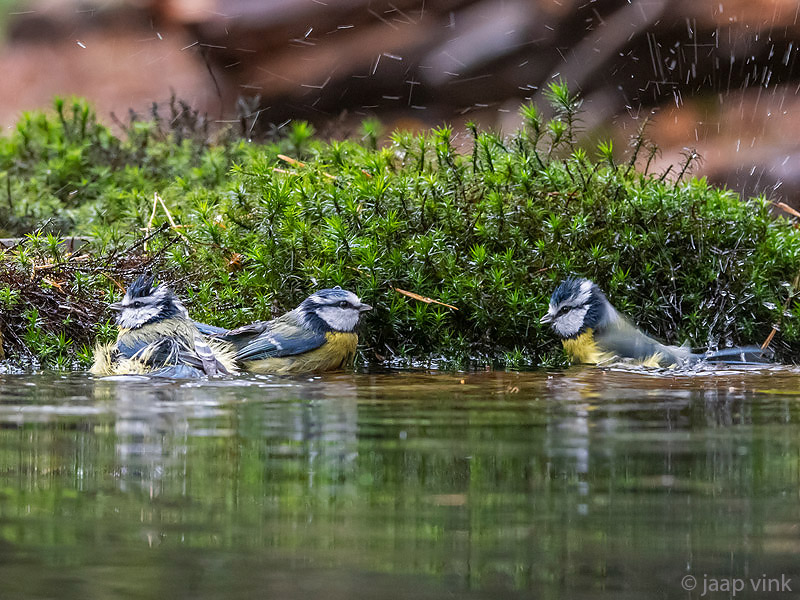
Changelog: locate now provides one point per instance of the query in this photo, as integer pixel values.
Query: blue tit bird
(593, 332)
(156, 337)
(319, 335)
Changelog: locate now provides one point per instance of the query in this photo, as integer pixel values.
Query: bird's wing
(627, 341)
(273, 339)
(252, 329)
(209, 329)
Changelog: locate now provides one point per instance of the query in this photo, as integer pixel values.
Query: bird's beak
(115, 306)
(364, 308)
(548, 318)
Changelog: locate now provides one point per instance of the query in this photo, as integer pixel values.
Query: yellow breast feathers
(335, 354)
(583, 349)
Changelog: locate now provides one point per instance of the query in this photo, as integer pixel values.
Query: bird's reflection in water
(312, 420)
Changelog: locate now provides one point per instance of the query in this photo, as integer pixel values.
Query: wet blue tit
(593, 332)
(319, 335)
(156, 337)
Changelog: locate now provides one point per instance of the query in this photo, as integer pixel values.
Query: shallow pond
(584, 483)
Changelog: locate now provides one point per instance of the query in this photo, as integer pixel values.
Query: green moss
(490, 231)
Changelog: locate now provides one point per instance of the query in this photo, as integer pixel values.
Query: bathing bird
(155, 336)
(593, 332)
(319, 335)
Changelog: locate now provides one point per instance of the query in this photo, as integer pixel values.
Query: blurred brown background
(719, 76)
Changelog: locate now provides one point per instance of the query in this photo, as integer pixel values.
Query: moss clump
(490, 231)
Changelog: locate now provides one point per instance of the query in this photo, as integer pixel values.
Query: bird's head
(576, 305)
(332, 309)
(145, 303)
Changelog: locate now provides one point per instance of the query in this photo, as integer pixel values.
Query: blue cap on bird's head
(576, 304)
(143, 286)
(332, 309)
(572, 288)
(145, 303)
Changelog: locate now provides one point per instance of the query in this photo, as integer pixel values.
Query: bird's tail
(740, 355)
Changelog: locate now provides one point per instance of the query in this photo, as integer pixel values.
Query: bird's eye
(344, 304)
(564, 310)
(137, 304)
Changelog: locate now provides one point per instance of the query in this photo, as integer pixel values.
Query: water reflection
(581, 483)
(155, 422)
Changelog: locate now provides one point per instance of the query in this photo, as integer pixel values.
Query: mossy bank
(245, 230)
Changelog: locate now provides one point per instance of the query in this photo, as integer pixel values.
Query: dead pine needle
(296, 163)
(792, 293)
(120, 287)
(769, 338)
(150, 220)
(786, 208)
(292, 161)
(157, 199)
(424, 299)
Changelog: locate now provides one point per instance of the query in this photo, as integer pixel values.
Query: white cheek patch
(340, 319)
(570, 324)
(131, 318)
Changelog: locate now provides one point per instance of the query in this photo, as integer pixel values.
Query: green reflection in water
(582, 483)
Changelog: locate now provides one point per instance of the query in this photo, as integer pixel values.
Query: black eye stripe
(135, 304)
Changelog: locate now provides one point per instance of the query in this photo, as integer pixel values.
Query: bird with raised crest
(155, 336)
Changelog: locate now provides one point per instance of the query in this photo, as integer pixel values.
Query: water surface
(584, 483)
